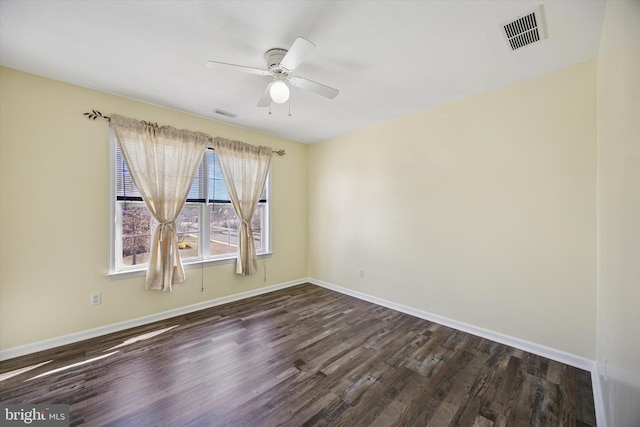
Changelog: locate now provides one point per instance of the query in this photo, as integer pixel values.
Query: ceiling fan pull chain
(289, 108)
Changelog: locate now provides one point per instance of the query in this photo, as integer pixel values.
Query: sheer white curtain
(245, 168)
(162, 161)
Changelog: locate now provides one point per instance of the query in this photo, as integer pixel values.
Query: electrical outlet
(96, 298)
(360, 273)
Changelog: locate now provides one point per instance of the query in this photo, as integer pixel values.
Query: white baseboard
(598, 397)
(540, 350)
(23, 350)
(550, 353)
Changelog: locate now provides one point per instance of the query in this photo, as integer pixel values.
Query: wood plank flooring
(302, 356)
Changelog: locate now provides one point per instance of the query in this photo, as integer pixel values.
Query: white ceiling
(388, 58)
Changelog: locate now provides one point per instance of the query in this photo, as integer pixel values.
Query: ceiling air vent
(525, 29)
(225, 113)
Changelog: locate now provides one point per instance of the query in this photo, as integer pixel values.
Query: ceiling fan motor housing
(273, 58)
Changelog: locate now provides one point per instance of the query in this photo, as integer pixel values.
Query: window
(208, 203)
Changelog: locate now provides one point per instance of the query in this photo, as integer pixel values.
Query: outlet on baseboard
(360, 273)
(96, 298)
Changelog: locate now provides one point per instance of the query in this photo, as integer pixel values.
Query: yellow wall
(481, 211)
(54, 214)
(618, 331)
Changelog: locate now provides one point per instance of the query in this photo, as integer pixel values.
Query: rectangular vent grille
(524, 30)
(225, 113)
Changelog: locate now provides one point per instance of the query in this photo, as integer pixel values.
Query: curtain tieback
(163, 228)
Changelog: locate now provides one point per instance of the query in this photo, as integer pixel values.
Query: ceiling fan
(281, 63)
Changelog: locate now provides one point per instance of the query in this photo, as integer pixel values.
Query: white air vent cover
(225, 113)
(525, 29)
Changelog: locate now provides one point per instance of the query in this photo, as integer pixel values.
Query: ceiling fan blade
(265, 101)
(300, 49)
(315, 87)
(224, 65)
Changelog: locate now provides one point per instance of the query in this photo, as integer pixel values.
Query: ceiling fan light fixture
(279, 92)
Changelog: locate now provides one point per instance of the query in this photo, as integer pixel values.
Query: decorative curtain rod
(95, 114)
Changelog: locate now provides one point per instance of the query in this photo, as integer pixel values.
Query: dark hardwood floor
(300, 356)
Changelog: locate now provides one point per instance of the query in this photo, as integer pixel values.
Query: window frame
(118, 269)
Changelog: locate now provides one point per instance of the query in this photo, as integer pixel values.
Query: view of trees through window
(138, 225)
(208, 202)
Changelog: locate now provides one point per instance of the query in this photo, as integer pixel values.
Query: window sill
(188, 265)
